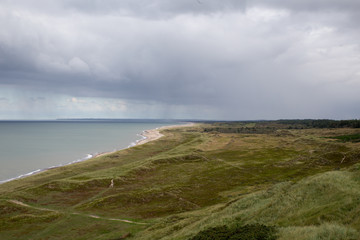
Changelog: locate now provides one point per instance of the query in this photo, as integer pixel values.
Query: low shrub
(246, 232)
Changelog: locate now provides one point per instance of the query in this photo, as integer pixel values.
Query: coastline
(154, 134)
(146, 136)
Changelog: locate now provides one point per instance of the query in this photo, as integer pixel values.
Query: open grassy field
(304, 183)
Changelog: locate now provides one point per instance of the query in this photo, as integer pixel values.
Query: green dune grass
(302, 182)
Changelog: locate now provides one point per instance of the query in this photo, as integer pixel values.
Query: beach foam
(88, 156)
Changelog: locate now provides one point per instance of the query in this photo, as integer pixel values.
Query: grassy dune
(303, 182)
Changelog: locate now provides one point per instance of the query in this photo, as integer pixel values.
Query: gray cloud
(308, 5)
(241, 59)
(138, 8)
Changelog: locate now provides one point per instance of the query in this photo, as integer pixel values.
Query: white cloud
(261, 59)
(265, 14)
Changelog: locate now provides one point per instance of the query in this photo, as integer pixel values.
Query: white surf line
(88, 156)
(74, 213)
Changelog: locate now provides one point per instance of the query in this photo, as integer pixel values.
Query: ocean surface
(31, 146)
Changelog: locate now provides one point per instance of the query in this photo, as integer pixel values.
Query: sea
(28, 147)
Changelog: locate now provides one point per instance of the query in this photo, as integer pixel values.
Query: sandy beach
(150, 135)
(154, 134)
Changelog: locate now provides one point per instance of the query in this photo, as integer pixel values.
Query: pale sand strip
(154, 134)
(150, 135)
(74, 213)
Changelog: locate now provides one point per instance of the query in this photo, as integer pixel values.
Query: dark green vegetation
(322, 123)
(349, 138)
(247, 232)
(302, 182)
(271, 126)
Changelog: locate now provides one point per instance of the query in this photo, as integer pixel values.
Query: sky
(189, 59)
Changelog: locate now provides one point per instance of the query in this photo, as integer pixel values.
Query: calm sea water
(27, 146)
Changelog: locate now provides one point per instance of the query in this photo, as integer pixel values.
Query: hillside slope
(304, 182)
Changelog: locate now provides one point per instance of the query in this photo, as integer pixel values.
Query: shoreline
(146, 136)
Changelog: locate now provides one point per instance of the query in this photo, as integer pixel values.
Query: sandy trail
(74, 213)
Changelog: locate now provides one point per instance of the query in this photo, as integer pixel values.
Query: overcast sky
(205, 59)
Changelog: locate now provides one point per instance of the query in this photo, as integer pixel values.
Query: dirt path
(28, 206)
(75, 213)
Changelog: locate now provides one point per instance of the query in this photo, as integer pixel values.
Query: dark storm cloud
(247, 59)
